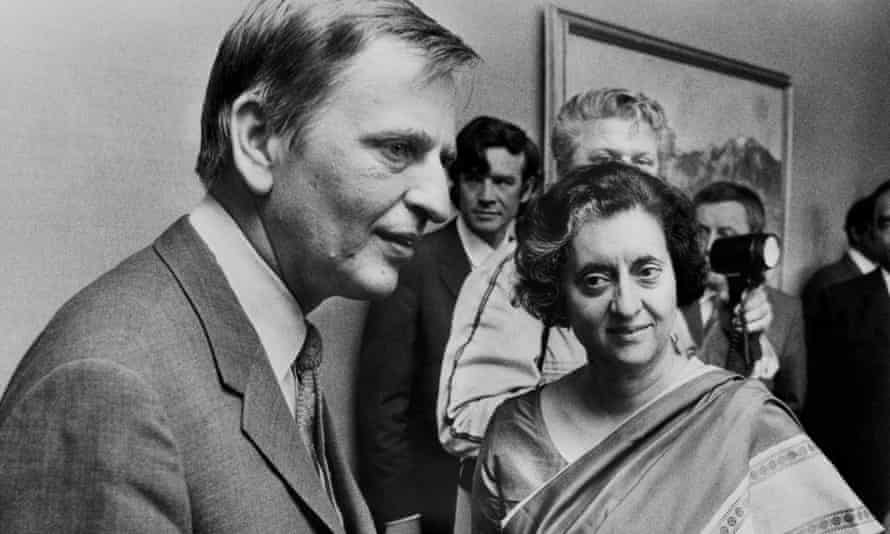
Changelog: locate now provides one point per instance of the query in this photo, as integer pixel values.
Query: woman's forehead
(626, 234)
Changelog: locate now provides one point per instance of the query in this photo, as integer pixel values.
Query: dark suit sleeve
(791, 380)
(86, 449)
(386, 373)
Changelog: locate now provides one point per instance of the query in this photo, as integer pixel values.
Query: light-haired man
(177, 393)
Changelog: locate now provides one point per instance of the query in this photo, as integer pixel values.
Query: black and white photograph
(445, 267)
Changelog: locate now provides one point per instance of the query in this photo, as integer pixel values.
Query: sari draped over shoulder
(717, 454)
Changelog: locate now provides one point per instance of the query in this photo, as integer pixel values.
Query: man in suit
(177, 393)
(404, 470)
(726, 209)
(859, 258)
(848, 413)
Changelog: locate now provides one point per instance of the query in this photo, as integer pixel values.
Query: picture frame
(729, 120)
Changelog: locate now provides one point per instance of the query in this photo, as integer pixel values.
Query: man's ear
(254, 144)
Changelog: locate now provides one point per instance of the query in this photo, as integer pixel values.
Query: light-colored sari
(716, 454)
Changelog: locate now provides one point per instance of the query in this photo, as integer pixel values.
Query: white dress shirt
(864, 264)
(270, 307)
(477, 249)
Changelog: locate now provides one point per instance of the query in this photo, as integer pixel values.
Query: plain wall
(100, 103)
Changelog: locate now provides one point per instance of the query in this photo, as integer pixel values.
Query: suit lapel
(268, 423)
(243, 366)
(454, 266)
(356, 515)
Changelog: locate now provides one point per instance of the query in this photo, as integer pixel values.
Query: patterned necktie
(306, 371)
(307, 407)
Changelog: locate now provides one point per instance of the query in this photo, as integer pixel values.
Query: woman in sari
(643, 438)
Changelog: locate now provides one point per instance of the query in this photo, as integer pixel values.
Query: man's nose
(428, 194)
(486, 192)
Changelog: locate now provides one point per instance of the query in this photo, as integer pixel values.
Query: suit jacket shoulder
(840, 271)
(860, 298)
(156, 356)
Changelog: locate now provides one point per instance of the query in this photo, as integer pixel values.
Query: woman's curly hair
(592, 192)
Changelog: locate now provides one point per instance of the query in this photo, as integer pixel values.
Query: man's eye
(398, 152)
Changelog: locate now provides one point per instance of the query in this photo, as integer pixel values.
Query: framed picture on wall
(729, 120)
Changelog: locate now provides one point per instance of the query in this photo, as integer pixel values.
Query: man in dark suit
(859, 258)
(848, 414)
(404, 470)
(726, 209)
(177, 393)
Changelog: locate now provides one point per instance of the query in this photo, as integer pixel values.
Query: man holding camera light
(727, 209)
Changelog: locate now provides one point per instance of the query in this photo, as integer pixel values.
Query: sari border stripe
(733, 513)
(840, 521)
(782, 456)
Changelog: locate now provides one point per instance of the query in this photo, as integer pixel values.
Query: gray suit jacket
(148, 405)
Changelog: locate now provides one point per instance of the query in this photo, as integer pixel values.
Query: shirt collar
(864, 264)
(478, 249)
(270, 307)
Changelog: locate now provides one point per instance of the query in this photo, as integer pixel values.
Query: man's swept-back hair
(485, 132)
(603, 104)
(723, 191)
(292, 54)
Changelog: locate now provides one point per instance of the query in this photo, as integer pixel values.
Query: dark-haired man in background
(177, 392)
(860, 257)
(406, 475)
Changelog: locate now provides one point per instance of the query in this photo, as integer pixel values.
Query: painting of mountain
(740, 159)
(727, 119)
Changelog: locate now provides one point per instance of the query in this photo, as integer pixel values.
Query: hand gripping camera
(744, 260)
